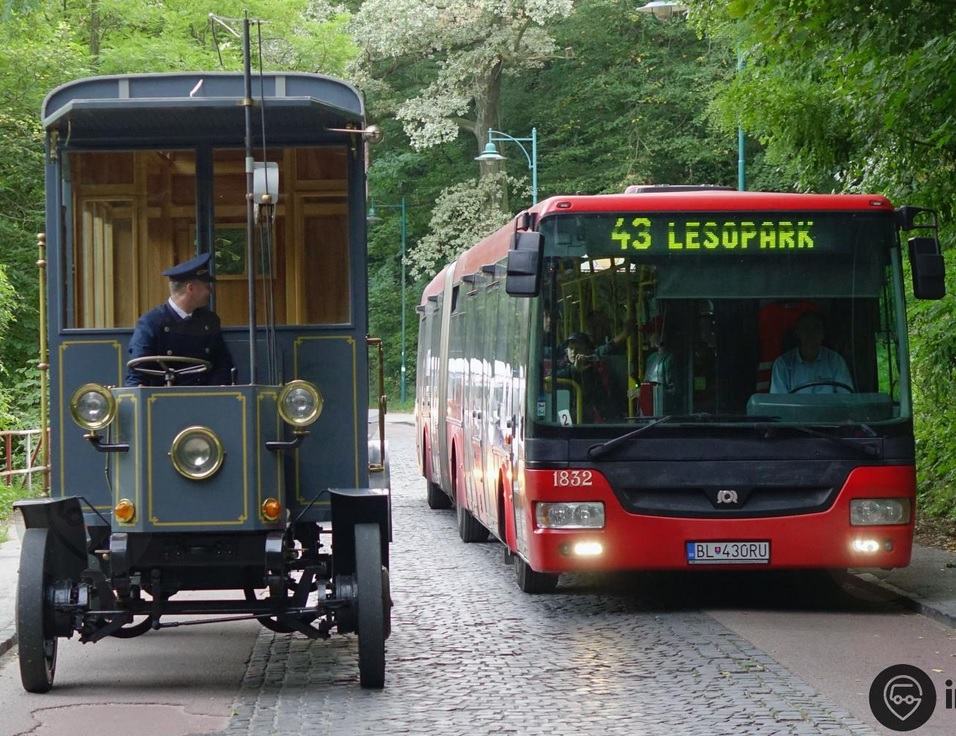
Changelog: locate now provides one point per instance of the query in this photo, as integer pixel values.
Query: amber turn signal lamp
(271, 508)
(124, 510)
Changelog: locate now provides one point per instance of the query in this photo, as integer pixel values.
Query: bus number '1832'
(573, 478)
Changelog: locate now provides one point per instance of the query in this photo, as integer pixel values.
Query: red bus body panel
(640, 542)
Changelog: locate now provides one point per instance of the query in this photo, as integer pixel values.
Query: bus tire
(469, 528)
(437, 498)
(533, 582)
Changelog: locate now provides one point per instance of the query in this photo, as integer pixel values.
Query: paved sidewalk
(9, 564)
(928, 585)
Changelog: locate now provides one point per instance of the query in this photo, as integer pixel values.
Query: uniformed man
(183, 326)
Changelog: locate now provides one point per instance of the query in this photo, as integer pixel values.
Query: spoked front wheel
(373, 605)
(36, 640)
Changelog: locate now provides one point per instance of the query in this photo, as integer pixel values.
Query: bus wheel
(373, 605)
(531, 581)
(437, 498)
(469, 528)
(36, 641)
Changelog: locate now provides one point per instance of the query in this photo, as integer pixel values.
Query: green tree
(45, 43)
(854, 97)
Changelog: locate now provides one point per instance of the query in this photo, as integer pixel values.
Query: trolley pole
(250, 205)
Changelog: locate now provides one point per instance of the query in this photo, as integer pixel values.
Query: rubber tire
(372, 605)
(37, 650)
(533, 582)
(437, 498)
(469, 528)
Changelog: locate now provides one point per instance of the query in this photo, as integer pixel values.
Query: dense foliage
(835, 95)
(851, 96)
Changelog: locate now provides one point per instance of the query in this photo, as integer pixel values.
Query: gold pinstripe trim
(63, 401)
(349, 340)
(153, 519)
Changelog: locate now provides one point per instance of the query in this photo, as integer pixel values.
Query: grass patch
(16, 490)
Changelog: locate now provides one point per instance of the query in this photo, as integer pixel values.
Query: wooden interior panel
(135, 215)
(326, 263)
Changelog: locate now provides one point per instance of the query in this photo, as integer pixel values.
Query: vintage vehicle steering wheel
(168, 369)
(838, 384)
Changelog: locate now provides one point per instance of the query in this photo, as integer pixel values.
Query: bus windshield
(711, 317)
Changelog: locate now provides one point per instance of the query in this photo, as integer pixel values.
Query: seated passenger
(183, 326)
(583, 366)
(810, 368)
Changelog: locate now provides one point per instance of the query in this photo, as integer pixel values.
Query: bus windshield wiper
(605, 447)
(868, 450)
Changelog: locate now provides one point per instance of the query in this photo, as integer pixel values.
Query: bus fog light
(580, 515)
(879, 511)
(588, 549)
(865, 546)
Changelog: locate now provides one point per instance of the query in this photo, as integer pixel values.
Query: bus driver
(810, 367)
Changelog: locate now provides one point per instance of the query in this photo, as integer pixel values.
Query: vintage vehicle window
(133, 213)
(309, 265)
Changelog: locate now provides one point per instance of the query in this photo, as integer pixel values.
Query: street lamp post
(372, 219)
(665, 9)
(491, 154)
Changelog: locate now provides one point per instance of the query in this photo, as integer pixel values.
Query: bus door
(434, 398)
(473, 467)
(489, 411)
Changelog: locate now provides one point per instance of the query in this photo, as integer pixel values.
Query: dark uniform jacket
(163, 332)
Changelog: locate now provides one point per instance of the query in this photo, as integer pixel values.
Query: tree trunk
(487, 101)
(95, 31)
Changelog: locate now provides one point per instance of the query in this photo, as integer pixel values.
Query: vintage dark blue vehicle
(269, 486)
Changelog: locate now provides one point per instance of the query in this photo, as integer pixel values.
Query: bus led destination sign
(705, 234)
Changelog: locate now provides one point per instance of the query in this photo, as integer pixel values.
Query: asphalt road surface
(648, 654)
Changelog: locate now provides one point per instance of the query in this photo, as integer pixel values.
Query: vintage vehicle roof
(193, 105)
(494, 247)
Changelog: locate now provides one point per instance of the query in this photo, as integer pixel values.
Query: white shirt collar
(175, 307)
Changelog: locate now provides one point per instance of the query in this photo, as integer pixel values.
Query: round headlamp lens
(300, 403)
(92, 406)
(197, 453)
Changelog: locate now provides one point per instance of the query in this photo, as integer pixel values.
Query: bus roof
(189, 106)
(494, 247)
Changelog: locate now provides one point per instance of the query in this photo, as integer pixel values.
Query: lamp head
(490, 153)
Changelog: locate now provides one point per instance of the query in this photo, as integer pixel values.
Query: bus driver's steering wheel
(171, 367)
(837, 384)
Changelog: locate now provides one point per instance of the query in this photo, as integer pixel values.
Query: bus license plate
(728, 553)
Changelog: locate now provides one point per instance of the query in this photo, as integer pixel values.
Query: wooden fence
(23, 446)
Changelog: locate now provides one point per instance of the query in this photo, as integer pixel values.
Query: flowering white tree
(471, 44)
(459, 50)
(463, 214)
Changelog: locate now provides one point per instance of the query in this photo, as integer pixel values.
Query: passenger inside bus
(810, 367)
(601, 399)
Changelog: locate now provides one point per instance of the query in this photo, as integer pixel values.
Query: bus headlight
(583, 515)
(197, 453)
(92, 406)
(879, 511)
(300, 403)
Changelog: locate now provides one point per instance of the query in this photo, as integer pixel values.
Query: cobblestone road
(471, 654)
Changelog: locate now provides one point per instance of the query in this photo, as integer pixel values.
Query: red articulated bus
(678, 378)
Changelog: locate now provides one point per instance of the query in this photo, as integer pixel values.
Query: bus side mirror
(929, 273)
(524, 265)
